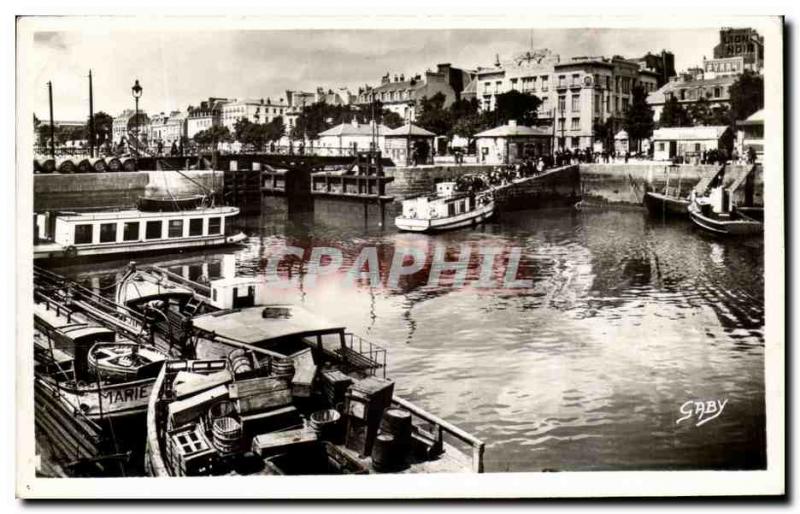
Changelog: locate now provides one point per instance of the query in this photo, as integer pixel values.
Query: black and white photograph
(401, 258)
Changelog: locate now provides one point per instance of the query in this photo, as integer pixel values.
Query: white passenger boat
(73, 234)
(448, 209)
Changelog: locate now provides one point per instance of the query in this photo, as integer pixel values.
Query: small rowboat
(170, 203)
(121, 362)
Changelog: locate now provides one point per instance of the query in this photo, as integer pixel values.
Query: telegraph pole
(52, 124)
(91, 117)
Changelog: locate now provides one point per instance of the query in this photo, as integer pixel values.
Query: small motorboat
(121, 361)
(714, 214)
(670, 202)
(447, 209)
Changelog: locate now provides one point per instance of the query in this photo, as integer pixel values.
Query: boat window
(153, 229)
(175, 228)
(108, 232)
(130, 231)
(83, 234)
(196, 227)
(451, 209)
(214, 225)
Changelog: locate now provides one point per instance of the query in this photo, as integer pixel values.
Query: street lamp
(136, 91)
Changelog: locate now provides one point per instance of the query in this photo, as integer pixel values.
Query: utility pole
(52, 124)
(91, 117)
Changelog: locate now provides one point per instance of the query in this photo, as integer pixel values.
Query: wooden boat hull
(55, 251)
(660, 205)
(737, 227)
(473, 217)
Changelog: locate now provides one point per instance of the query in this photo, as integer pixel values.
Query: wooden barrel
(221, 409)
(85, 166)
(226, 434)
(283, 367)
(48, 166)
(385, 456)
(99, 165)
(38, 166)
(240, 361)
(325, 423)
(67, 166)
(114, 164)
(129, 164)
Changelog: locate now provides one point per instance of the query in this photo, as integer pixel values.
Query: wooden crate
(182, 412)
(258, 394)
(266, 445)
(270, 421)
(304, 373)
(334, 386)
(189, 451)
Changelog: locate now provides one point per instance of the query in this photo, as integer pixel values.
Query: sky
(178, 68)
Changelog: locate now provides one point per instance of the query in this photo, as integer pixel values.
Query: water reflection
(626, 319)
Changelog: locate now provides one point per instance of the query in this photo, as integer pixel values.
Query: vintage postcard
(422, 257)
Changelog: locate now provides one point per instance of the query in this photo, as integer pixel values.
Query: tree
(391, 119)
(700, 112)
(639, 117)
(674, 114)
(747, 95)
(433, 116)
(212, 136)
(275, 129)
(102, 127)
(604, 132)
(514, 105)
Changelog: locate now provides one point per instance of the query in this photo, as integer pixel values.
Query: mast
(91, 117)
(52, 124)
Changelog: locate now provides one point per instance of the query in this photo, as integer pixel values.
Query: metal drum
(226, 435)
(385, 454)
(397, 422)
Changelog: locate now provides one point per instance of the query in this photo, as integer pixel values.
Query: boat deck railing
(441, 427)
(364, 354)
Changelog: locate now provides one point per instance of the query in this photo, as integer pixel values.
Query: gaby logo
(701, 411)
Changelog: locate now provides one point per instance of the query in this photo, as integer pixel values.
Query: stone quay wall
(94, 191)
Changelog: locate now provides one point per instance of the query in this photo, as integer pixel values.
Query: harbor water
(628, 324)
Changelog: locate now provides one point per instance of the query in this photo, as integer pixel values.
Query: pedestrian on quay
(174, 150)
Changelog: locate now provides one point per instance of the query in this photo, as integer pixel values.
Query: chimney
(385, 79)
(443, 68)
(512, 123)
(354, 122)
(395, 78)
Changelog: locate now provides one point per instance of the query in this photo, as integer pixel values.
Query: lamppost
(136, 91)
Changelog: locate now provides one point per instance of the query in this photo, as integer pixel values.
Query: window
(544, 83)
(660, 147)
(716, 92)
(597, 104)
(214, 225)
(576, 80)
(562, 103)
(576, 102)
(608, 104)
(514, 84)
(108, 232)
(196, 227)
(562, 80)
(175, 228)
(576, 124)
(153, 230)
(83, 234)
(576, 142)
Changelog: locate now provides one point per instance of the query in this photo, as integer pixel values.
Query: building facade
(576, 94)
(403, 96)
(512, 143)
(688, 89)
(744, 43)
(255, 111)
(409, 145)
(689, 142)
(349, 138)
(207, 115)
(166, 129)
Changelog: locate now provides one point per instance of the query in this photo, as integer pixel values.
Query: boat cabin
(447, 202)
(129, 227)
(238, 292)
